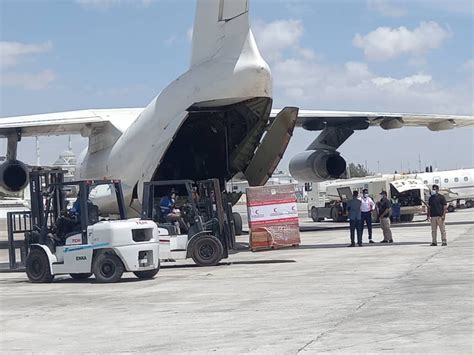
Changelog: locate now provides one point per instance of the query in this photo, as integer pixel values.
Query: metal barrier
(18, 223)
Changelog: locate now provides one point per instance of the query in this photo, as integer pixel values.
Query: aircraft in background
(321, 160)
(214, 121)
(456, 185)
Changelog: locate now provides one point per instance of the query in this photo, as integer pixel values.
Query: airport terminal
(196, 223)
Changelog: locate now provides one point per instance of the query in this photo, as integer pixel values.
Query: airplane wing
(71, 122)
(315, 120)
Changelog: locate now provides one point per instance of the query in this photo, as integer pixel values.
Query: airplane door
(271, 149)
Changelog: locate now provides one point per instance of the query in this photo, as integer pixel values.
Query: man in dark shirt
(384, 216)
(355, 221)
(437, 213)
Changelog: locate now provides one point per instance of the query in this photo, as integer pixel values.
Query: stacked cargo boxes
(273, 217)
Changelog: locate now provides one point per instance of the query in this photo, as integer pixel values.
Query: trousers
(387, 232)
(435, 223)
(356, 225)
(366, 218)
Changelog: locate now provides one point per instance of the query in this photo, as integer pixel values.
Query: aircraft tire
(147, 274)
(81, 276)
(238, 225)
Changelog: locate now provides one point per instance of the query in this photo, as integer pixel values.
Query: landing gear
(237, 223)
(81, 276)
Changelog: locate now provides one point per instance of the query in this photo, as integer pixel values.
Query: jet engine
(13, 175)
(317, 165)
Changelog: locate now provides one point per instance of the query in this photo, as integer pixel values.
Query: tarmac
(406, 297)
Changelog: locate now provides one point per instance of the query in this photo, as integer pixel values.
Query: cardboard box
(273, 217)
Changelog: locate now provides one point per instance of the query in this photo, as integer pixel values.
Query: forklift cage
(212, 203)
(58, 201)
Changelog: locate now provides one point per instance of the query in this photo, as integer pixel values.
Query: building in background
(67, 161)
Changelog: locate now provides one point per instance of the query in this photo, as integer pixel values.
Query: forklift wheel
(147, 274)
(82, 276)
(108, 268)
(207, 251)
(37, 266)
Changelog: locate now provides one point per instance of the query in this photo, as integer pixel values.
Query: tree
(358, 170)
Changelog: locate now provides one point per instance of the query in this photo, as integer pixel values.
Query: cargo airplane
(215, 120)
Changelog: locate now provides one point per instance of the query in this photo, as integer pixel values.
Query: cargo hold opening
(407, 198)
(215, 142)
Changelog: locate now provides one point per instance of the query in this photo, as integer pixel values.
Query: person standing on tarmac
(384, 216)
(395, 209)
(437, 208)
(366, 208)
(353, 206)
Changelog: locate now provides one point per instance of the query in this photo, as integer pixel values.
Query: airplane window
(436, 181)
(466, 178)
(456, 179)
(425, 182)
(446, 180)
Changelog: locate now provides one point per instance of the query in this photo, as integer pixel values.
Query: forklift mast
(41, 179)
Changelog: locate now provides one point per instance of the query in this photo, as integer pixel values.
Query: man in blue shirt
(355, 219)
(168, 212)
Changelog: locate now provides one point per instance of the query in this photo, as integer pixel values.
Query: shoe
(384, 241)
(371, 241)
(359, 244)
(351, 245)
(433, 244)
(390, 241)
(444, 244)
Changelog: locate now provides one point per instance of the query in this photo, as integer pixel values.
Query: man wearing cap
(384, 216)
(366, 208)
(437, 208)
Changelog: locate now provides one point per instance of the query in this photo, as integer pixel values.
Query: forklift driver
(169, 212)
(67, 223)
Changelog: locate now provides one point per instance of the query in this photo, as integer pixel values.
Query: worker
(355, 222)
(366, 208)
(384, 216)
(437, 208)
(169, 212)
(395, 209)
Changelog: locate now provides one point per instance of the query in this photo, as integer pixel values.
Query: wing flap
(318, 120)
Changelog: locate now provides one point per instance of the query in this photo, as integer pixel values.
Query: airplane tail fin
(220, 27)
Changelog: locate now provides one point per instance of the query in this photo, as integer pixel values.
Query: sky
(365, 55)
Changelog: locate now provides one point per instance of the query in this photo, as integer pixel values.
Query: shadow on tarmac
(345, 245)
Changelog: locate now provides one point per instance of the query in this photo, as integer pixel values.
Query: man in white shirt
(366, 208)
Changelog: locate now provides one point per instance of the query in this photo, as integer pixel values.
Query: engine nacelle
(13, 175)
(317, 165)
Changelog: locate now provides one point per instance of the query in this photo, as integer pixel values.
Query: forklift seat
(93, 213)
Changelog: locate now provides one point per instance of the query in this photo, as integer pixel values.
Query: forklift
(73, 239)
(205, 231)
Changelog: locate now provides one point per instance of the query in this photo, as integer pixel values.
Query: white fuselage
(235, 74)
(459, 184)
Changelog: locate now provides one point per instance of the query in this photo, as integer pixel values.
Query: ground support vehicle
(76, 241)
(328, 199)
(207, 212)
